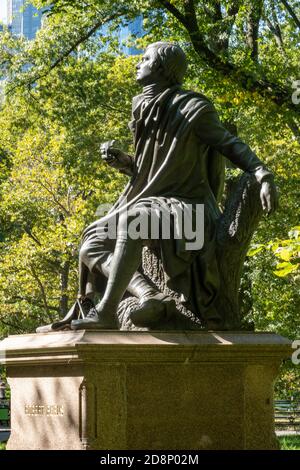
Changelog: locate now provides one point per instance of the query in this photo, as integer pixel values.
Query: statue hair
(173, 60)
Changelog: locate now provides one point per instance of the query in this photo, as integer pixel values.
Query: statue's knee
(134, 224)
(84, 253)
(132, 214)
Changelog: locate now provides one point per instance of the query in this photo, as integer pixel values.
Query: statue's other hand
(269, 196)
(114, 157)
(109, 153)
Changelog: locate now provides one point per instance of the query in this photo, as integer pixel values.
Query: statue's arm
(210, 131)
(127, 168)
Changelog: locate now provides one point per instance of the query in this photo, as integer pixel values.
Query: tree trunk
(275, 29)
(235, 230)
(254, 16)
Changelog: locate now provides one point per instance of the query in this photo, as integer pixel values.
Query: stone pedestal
(143, 390)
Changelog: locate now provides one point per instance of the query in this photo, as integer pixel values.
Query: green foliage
(289, 442)
(53, 187)
(70, 90)
(286, 251)
(287, 385)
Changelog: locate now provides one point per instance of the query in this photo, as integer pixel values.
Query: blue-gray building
(135, 29)
(23, 18)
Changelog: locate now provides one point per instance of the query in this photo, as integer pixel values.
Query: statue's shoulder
(197, 97)
(193, 103)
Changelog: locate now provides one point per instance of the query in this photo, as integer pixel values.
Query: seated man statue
(173, 167)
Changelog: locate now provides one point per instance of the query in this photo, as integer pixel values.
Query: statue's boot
(93, 321)
(79, 308)
(153, 310)
(138, 286)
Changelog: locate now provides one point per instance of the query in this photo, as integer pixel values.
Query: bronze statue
(178, 140)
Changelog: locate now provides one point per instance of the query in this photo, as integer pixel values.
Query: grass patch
(289, 442)
(2, 446)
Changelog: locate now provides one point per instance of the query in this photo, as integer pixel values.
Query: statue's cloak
(173, 136)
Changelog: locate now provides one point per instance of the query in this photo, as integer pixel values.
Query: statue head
(162, 62)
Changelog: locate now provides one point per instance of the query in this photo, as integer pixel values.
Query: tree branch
(291, 12)
(175, 12)
(222, 25)
(275, 92)
(72, 48)
(195, 34)
(54, 197)
(30, 234)
(44, 297)
(12, 325)
(275, 30)
(31, 301)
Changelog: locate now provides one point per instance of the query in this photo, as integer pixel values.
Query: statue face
(148, 69)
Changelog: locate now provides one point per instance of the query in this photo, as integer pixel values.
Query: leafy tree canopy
(70, 89)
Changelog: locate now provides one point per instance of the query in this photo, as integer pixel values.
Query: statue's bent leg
(139, 286)
(123, 266)
(124, 263)
(95, 257)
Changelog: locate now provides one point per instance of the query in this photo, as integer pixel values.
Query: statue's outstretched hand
(115, 158)
(269, 196)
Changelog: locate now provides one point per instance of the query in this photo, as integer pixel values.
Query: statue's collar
(151, 91)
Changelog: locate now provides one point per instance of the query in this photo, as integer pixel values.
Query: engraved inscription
(44, 410)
